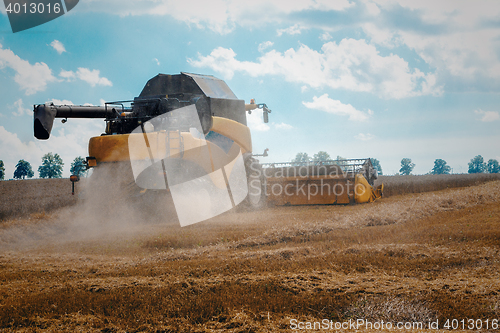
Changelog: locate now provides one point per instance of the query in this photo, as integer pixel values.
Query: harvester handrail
(353, 165)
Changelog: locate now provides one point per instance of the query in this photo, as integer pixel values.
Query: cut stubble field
(110, 267)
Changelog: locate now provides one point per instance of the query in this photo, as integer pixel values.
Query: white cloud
(60, 102)
(157, 61)
(324, 103)
(221, 16)
(467, 55)
(30, 78)
(454, 37)
(255, 121)
(325, 36)
(327, 5)
(265, 45)
(371, 8)
(463, 45)
(20, 110)
(292, 30)
(58, 46)
(488, 116)
(68, 75)
(364, 136)
(223, 61)
(12, 149)
(463, 13)
(283, 126)
(92, 77)
(382, 35)
(351, 65)
(69, 141)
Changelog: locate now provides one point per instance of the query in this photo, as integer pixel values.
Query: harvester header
(340, 181)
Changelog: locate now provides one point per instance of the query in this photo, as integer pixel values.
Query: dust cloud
(110, 207)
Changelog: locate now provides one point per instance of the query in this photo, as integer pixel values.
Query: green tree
(493, 166)
(477, 165)
(321, 156)
(78, 167)
(376, 165)
(23, 170)
(2, 170)
(440, 167)
(301, 158)
(51, 167)
(406, 166)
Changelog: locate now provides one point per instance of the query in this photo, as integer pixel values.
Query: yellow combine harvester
(189, 126)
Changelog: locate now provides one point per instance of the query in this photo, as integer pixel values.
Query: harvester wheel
(256, 181)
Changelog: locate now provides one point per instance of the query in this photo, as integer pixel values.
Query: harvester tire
(256, 181)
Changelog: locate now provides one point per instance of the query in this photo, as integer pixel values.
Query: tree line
(51, 167)
(476, 164)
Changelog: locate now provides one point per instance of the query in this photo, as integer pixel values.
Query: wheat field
(102, 264)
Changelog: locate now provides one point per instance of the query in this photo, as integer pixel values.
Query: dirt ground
(105, 266)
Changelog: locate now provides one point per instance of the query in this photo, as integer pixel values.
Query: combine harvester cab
(323, 183)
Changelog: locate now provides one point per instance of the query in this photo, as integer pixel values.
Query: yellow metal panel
(114, 148)
(109, 148)
(234, 130)
(363, 192)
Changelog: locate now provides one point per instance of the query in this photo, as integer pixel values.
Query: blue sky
(371, 78)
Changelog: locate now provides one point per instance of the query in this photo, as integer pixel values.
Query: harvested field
(417, 257)
(44, 195)
(395, 185)
(21, 197)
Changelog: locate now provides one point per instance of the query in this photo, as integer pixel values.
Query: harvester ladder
(171, 138)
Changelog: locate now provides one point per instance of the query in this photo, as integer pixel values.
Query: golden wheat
(414, 257)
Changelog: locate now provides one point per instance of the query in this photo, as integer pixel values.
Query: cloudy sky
(385, 79)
